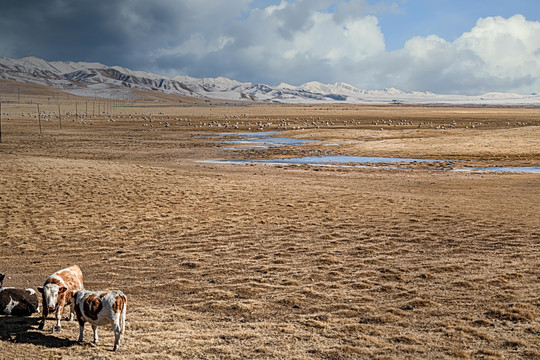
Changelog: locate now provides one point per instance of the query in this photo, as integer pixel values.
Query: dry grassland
(222, 261)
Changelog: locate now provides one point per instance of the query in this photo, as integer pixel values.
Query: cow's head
(52, 293)
(2, 276)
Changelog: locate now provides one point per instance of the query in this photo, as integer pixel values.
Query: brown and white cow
(16, 301)
(56, 293)
(101, 308)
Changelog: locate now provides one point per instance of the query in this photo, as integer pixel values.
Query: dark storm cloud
(68, 30)
(112, 32)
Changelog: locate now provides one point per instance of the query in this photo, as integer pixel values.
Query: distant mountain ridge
(95, 79)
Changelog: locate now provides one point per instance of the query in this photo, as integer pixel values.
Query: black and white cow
(17, 302)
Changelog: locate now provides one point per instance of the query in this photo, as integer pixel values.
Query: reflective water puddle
(338, 159)
(263, 138)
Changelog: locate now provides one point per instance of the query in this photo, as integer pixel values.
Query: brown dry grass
(277, 262)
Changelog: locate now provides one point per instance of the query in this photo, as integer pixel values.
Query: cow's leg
(71, 311)
(44, 314)
(118, 331)
(58, 327)
(96, 339)
(81, 330)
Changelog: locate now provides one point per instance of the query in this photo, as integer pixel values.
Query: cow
(56, 293)
(101, 308)
(17, 302)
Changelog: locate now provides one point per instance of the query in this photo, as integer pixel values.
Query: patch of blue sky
(448, 19)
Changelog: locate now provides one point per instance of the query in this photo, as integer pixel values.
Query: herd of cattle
(65, 287)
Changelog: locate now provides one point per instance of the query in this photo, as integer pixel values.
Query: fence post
(39, 120)
(59, 115)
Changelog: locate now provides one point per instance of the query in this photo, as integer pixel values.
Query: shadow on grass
(24, 330)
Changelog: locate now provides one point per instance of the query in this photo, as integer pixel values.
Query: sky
(443, 46)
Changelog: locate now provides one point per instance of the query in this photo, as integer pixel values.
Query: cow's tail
(123, 318)
(120, 320)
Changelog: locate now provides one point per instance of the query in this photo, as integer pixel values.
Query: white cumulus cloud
(508, 47)
(294, 41)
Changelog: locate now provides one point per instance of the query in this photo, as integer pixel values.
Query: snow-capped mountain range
(95, 79)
